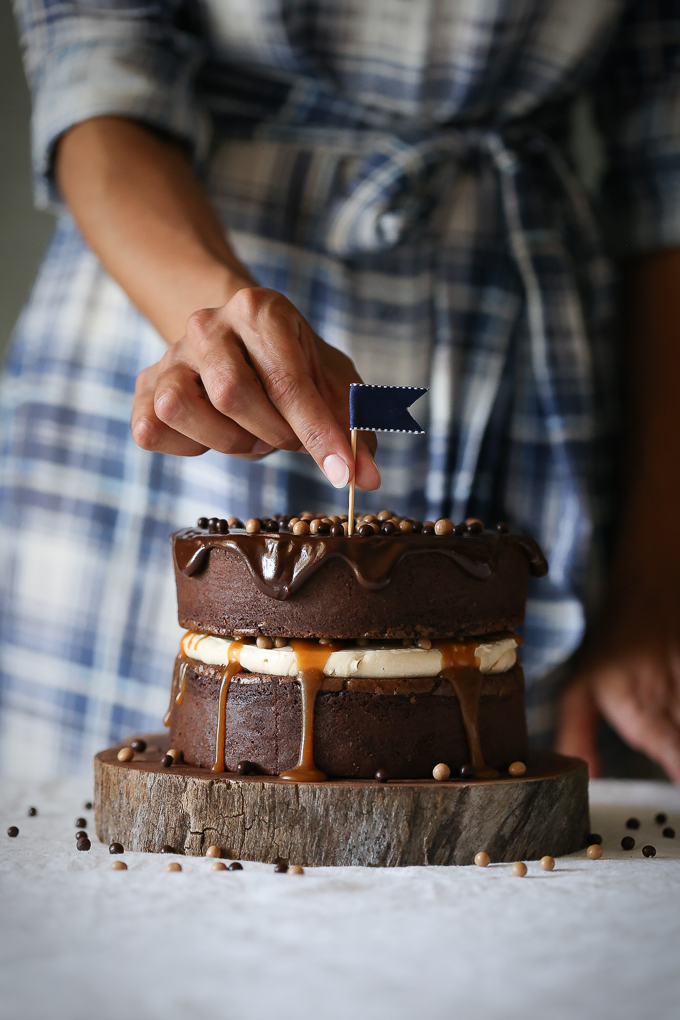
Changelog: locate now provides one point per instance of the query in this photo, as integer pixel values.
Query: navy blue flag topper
(384, 408)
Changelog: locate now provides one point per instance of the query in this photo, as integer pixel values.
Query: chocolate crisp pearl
(661, 818)
(381, 776)
(166, 849)
(81, 823)
(649, 850)
(235, 866)
(175, 754)
(594, 852)
(116, 848)
(467, 771)
(519, 868)
(627, 843)
(366, 530)
(32, 812)
(81, 834)
(547, 863)
(594, 837)
(138, 745)
(388, 528)
(202, 523)
(83, 844)
(12, 831)
(281, 869)
(669, 832)
(167, 761)
(482, 859)
(245, 768)
(633, 823)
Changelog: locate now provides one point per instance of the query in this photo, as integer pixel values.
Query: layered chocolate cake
(313, 654)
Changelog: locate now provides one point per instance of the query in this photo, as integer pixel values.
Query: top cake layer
(382, 584)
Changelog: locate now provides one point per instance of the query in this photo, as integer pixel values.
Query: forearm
(650, 535)
(145, 215)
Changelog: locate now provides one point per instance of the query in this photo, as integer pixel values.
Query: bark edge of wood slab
(341, 822)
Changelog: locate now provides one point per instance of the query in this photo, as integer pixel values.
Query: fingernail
(261, 447)
(377, 471)
(336, 471)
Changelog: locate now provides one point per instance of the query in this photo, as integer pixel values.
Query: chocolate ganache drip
(280, 563)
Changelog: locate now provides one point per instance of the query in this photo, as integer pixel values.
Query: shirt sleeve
(637, 104)
(90, 58)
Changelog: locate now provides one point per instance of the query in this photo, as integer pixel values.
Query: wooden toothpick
(350, 511)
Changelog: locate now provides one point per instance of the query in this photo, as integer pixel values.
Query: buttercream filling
(375, 661)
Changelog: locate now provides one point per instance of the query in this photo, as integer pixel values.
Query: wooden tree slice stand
(341, 822)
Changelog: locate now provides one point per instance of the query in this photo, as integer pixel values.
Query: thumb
(578, 725)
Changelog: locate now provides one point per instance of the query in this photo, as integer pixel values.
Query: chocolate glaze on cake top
(280, 561)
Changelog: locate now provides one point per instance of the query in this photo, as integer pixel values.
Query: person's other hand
(629, 675)
(250, 377)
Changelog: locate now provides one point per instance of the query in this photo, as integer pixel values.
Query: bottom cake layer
(355, 727)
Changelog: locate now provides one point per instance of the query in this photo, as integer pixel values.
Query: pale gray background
(23, 231)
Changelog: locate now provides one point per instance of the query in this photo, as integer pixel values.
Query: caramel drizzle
(459, 667)
(179, 682)
(228, 672)
(311, 658)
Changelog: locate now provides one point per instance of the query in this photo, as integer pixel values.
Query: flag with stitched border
(384, 408)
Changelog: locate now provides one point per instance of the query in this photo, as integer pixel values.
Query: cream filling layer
(374, 662)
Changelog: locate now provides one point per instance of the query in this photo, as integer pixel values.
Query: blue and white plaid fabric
(397, 170)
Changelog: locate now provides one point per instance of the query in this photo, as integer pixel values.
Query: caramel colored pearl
(218, 866)
(175, 754)
(280, 642)
(213, 851)
(441, 772)
(519, 868)
(234, 522)
(482, 859)
(547, 862)
(518, 768)
(443, 527)
(264, 642)
(125, 754)
(424, 642)
(295, 869)
(315, 525)
(405, 526)
(119, 866)
(173, 866)
(594, 851)
(301, 528)
(252, 526)
(385, 515)
(292, 522)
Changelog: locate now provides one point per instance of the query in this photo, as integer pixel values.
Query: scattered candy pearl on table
(547, 863)
(83, 844)
(649, 850)
(12, 831)
(125, 754)
(116, 848)
(88, 805)
(81, 823)
(235, 866)
(213, 851)
(518, 768)
(594, 851)
(173, 866)
(519, 869)
(166, 849)
(295, 869)
(482, 859)
(119, 866)
(633, 823)
(594, 837)
(669, 832)
(661, 818)
(81, 834)
(441, 772)
(138, 745)
(167, 761)
(280, 868)
(627, 843)
(32, 812)
(218, 866)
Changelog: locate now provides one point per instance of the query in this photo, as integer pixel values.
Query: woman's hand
(630, 676)
(250, 377)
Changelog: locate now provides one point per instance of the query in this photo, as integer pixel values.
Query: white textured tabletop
(594, 939)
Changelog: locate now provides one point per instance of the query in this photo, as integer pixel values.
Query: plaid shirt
(399, 171)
